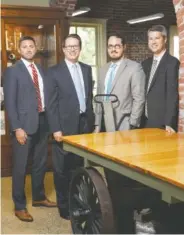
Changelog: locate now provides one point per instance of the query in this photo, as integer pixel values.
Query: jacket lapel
(25, 71)
(85, 78)
(118, 73)
(147, 70)
(40, 71)
(68, 78)
(103, 76)
(160, 66)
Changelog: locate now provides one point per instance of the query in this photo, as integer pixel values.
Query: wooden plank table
(150, 156)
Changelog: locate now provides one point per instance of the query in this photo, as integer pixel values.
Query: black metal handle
(105, 95)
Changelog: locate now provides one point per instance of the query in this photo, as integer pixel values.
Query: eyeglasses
(70, 47)
(117, 46)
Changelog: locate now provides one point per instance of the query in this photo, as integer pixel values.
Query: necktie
(153, 69)
(36, 85)
(111, 78)
(79, 88)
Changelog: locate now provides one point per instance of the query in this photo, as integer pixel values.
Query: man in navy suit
(25, 103)
(70, 112)
(162, 99)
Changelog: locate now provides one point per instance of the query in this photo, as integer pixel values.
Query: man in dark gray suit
(25, 103)
(70, 112)
(162, 99)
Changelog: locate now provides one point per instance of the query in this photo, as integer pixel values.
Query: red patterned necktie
(37, 88)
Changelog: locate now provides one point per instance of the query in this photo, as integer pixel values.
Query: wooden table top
(152, 151)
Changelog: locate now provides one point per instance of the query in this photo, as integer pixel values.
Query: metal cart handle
(105, 95)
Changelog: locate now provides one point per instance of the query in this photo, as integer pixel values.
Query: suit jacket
(20, 98)
(128, 85)
(63, 106)
(162, 97)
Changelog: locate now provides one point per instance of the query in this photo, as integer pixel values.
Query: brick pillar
(179, 9)
(65, 5)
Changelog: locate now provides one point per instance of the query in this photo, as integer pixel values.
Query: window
(174, 41)
(93, 35)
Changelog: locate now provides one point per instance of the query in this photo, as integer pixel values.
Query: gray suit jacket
(20, 98)
(129, 86)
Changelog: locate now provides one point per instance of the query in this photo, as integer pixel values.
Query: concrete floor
(46, 220)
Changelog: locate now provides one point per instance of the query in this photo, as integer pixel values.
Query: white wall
(41, 3)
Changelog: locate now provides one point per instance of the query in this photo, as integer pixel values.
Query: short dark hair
(158, 28)
(24, 38)
(73, 35)
(118, 35)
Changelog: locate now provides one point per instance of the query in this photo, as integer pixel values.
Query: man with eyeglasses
(70, 112)
(126, 79)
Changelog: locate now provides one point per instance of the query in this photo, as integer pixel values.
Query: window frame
(101, 39)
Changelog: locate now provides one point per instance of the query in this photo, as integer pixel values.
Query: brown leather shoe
(23, 215)
(44, 203)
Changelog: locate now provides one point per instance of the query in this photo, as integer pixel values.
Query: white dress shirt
(158, 58)
(40, 80)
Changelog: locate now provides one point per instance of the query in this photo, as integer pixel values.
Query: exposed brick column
(65, 5)
(179, 9)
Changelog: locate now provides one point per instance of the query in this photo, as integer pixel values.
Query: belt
(41, 113)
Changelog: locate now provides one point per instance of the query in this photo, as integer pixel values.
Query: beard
(115, 57)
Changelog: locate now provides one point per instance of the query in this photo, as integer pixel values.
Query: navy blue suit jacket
(63, 104)
(20, 98)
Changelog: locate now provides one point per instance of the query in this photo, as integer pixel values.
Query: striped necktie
(153, 69)
(37, 88)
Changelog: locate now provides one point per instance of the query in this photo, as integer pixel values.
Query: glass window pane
(72, 29)
(88, 53)
(176, 46)
(94, 74)
(44, 35)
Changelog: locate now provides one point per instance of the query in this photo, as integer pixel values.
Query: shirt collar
(158, 58)
(27, 63)
(117, 63)
(70, 64)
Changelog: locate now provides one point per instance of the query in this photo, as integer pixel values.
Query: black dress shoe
(64, 213)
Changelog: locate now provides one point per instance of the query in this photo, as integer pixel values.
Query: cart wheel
(91, 210)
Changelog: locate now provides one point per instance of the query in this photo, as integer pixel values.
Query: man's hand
(169, 129)
(21, 136)
(58, 136)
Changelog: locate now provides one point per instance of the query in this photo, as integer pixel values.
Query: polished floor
(46, 220)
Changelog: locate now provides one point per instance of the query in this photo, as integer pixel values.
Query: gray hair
(158, 28)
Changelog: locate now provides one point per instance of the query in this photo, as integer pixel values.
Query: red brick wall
(118, 11)
(179, 9)
(66, 5)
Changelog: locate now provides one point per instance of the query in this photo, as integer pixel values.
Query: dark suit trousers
(146, 123)
(36, 148)
(64, 164)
